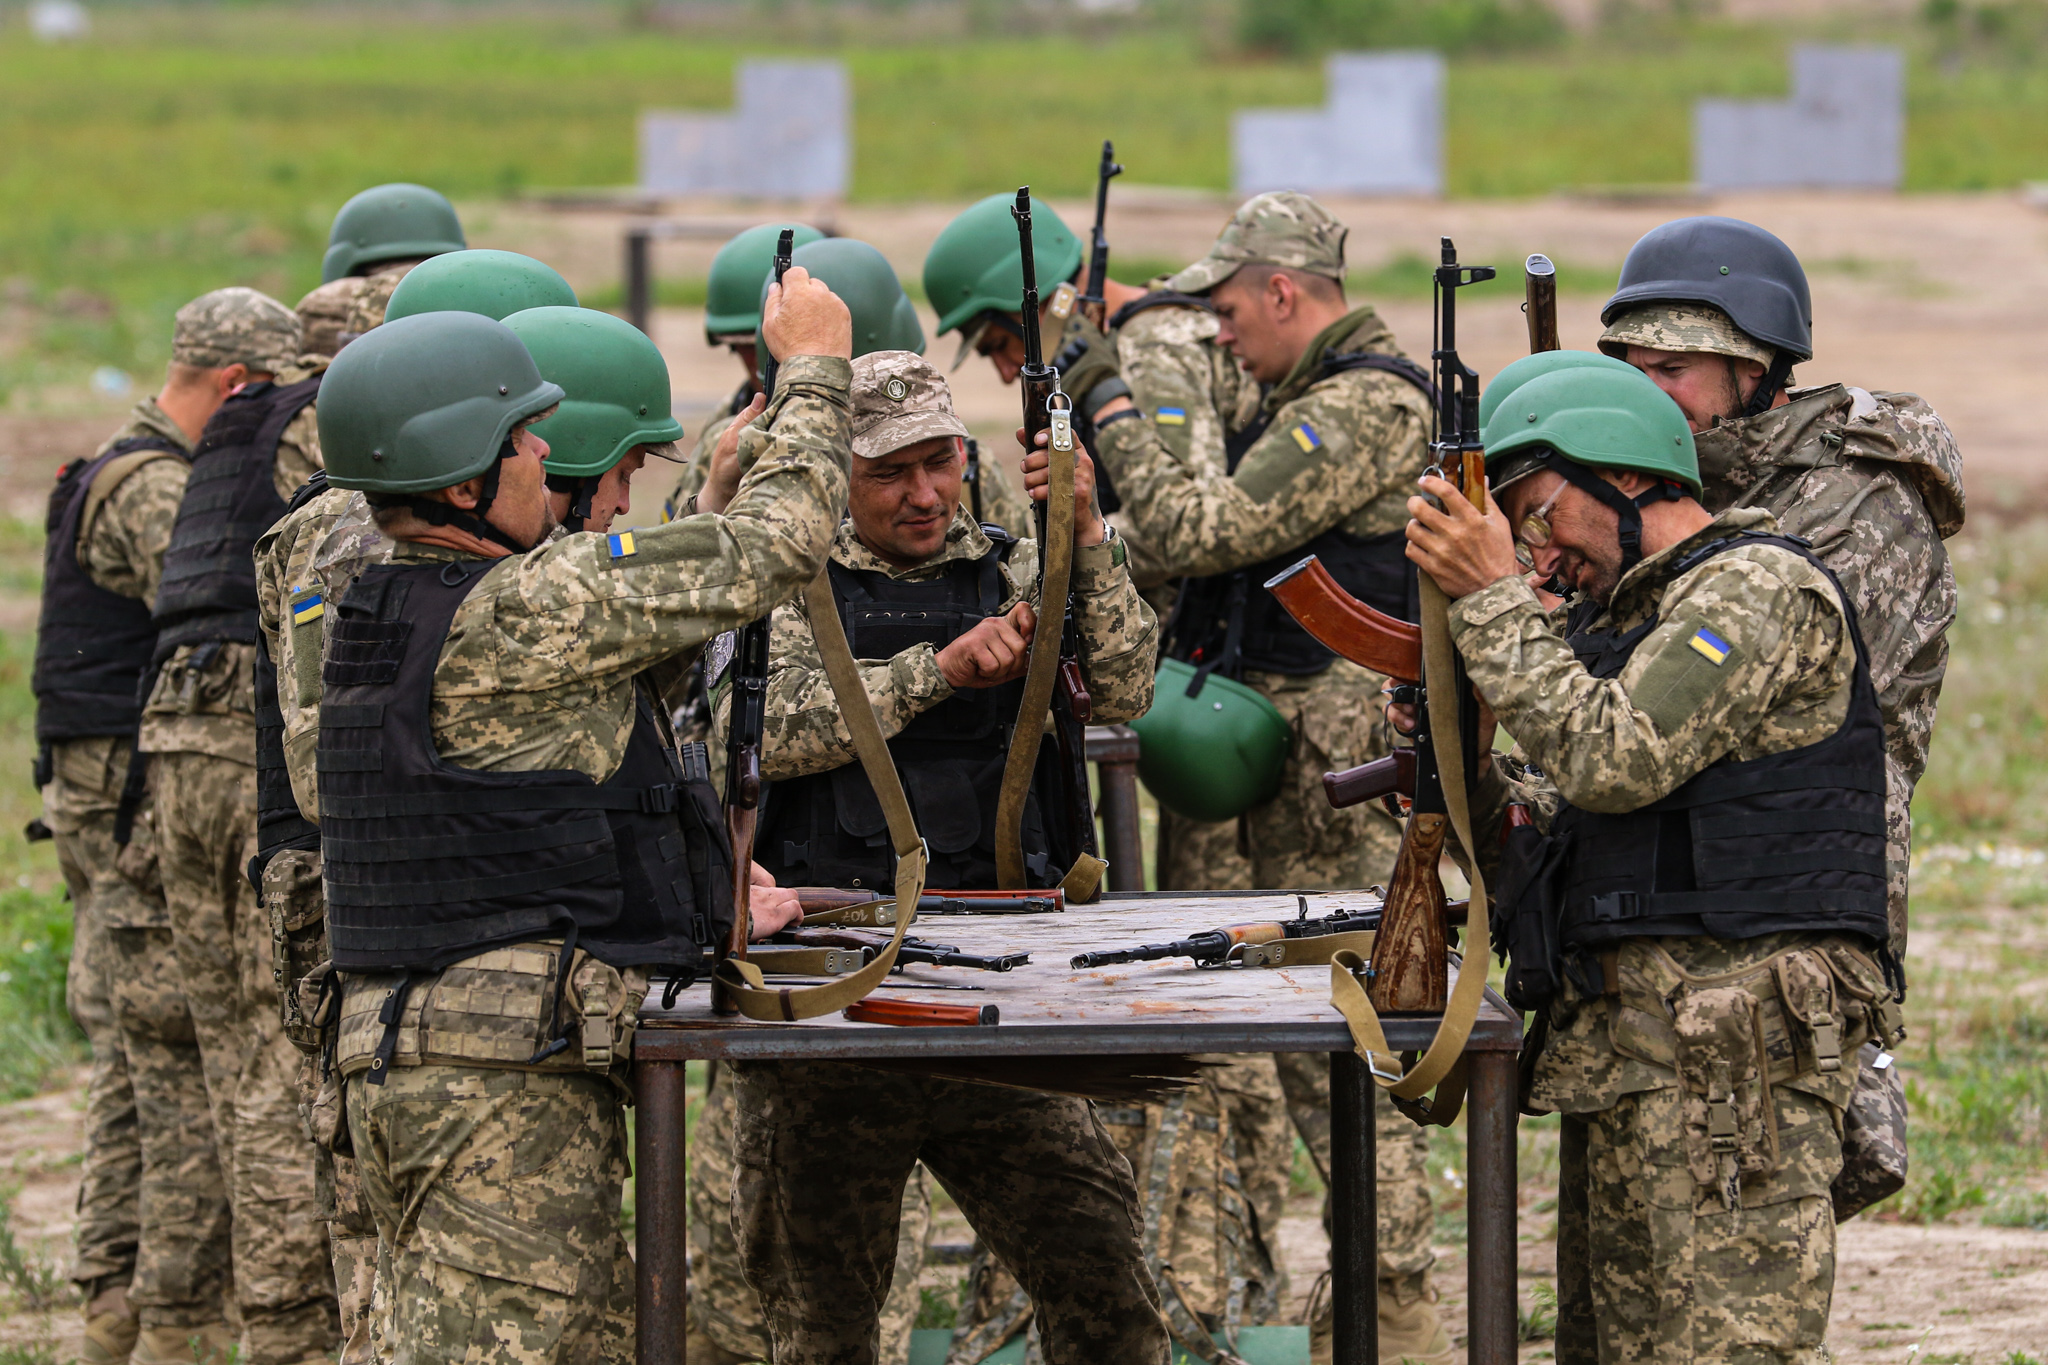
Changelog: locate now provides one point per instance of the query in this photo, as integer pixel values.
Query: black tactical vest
(1230, 623)
(92, 645)
(209, 583)
(827, 829)
(1790, 841)
(427, 863)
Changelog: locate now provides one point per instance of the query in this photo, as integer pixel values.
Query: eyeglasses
(1534, 532)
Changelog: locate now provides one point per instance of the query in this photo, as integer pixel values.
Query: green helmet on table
(884, 318)
(732, 293)
(496, 284)
(1213, 755)
(976, 265)
(616, 389)
(390, 223)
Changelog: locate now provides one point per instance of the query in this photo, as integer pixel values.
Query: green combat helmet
(732, 295)
(426, 402)
(496, 284)
(976, 266)
(1213, 755)
(618, 396)
(390, 223)
(1531, 366)
(884, 318)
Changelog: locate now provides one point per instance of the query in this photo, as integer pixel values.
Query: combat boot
(698, 1347)
(111, 1328)
(211, 1344)
(1408, 1331)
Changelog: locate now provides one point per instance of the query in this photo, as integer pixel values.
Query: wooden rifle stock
(1540, 303)
(1343, 623)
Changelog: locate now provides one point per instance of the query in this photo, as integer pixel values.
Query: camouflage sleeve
(804, 732)
(1749, 658)
(298, 454)
(1119, 637)
(1350, 441)
(691, 477)
(591, 607)
(1166, 355)
(122, 548)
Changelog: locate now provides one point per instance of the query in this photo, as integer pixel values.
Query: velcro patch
(1305, 437)
(1171, 417)
(621, 545)
(1678, 682)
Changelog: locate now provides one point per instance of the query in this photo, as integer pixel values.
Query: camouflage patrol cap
(899, 399)
(1683, 327)
(1283, 228)
(324, 313)
(235, 326)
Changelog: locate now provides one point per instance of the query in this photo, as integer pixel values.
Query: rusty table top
(1048, 1008)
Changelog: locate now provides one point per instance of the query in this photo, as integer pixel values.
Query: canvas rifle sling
(1443, 1061)
(1057, 575)
(742, 980)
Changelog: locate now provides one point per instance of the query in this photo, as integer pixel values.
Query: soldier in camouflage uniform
(153, 1213)
(198, 728)
(1323, 467)
(1036, 1175)
(1873, 480)
(1699, 1010)
(492, 1158)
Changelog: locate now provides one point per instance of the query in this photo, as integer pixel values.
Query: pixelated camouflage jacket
(121, 542)
(804, 732)
(212, 710)
(1194, 395)
(1341, 451)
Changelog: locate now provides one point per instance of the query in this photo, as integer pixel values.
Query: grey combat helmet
(1737, 267)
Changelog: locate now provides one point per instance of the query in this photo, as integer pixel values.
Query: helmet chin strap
(582, 490)
(1627, 510)
(436, 513)
(1768, 387)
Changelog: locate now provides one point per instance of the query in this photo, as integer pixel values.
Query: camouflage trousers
(496, 1200)
(79, 808)
(723, 1308)
(1654, 1267)
(822, 1153)
(205, 810)
(1211, 1218)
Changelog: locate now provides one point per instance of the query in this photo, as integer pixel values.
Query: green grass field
(186, 147)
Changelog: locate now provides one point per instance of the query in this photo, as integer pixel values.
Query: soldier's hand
(1461, 548)
(802, 316)
(1401, 715)
(993, 652)
(722, 479)
(1038, 479)
(773, 908)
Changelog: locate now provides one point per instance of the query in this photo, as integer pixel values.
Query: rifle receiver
(784, 246)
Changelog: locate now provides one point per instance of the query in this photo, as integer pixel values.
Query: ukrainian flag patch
(1171, 417)
(621, 545)
(1709, 646)
(1305, 437)
(308, 609)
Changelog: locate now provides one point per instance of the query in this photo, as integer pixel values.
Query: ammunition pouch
(297, 909)
(1873, 1136)
(1524, 918)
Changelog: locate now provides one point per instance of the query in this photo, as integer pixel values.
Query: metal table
(1048, 1009)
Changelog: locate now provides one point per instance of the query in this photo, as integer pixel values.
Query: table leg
(658, 1200)
(1354, 1212)
(1490, 1214)
(1122, 843)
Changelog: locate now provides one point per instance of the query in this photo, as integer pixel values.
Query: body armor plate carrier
(92, 645)
(1228, 622)
(209, 583)
(427, 863)
(828, 829)
(1789, 842)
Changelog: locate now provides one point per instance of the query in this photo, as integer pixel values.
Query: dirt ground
(1943, 295)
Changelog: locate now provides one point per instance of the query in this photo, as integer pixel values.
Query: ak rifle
(748, 720)
(1220, 947)
(915, 951)
(833, 902)
(1092, 303)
